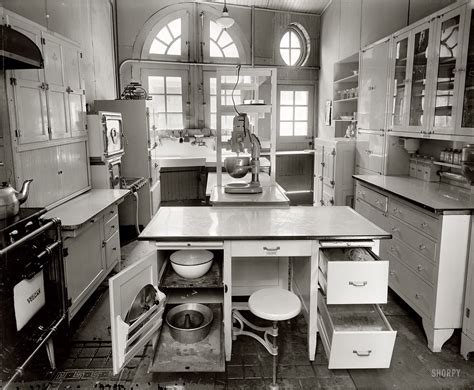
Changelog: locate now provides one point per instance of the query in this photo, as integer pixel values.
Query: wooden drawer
(422, 267)
(353, 282)
(355, 336)
(415, 218)
(111, 226)
(373, 198)
(110, 212)
(372, 214)
(409, 236)
(415, 291)
(271, 248)
(112, 250)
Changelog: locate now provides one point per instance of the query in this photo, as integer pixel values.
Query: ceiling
(308, 6)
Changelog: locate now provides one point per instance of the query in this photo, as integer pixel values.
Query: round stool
(273, 304)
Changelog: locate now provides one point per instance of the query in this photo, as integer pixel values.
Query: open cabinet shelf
(204, 356)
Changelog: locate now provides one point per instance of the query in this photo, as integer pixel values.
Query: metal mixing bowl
(237, 167)
(190, 322)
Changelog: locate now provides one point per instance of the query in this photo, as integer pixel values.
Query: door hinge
(468, 312)
(65, 252)
(43, 41)
(69, 302)
(12, 80)
(17, 133)
(49, 130)
(85, 126)
(80, 54)
(84, 92)
(333, 152)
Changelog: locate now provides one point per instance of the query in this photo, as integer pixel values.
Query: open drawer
(355, 336)
(353, 276)
(136, 290)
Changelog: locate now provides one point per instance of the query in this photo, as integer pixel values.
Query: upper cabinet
(372, 105)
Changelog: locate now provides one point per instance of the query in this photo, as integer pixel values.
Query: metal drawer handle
(393, 273)
(396, 210)
(358, 284)
(420, 267)
(112, 227)
(362, 353)
(418, 296)
(271, 249)
(112, 211)
(392, 249)
(424, 225)
(422, 247)
(395, 229)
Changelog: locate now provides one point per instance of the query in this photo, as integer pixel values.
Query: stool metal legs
(270, 346)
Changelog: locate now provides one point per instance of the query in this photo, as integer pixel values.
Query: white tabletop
(243, 223)
(81, 209)
(437, 197)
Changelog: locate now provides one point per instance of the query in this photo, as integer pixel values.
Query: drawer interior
(356, 318)
(345, 254)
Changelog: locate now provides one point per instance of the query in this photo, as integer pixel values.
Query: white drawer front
(372, 214)
(110, 212)
(415, 291)
(112, 250)
(417, 263)
(111, 226)
(354, 282)
(421, 221)
(373, 198)
(420, 243)
(271, 248)
(369, 347)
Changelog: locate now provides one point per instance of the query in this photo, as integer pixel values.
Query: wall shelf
(349, 79)
(445, 164)
(354, 99)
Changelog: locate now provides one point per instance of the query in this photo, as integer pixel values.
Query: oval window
(294, 45)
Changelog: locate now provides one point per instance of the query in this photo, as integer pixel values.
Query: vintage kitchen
(250, 194)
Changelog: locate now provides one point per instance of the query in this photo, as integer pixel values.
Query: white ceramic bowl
(191, 264)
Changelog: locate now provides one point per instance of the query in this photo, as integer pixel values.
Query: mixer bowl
(189, 322)
(237, 167)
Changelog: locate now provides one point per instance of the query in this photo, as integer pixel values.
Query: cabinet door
(373, 87)
(155, 193)
(318, 175)
(446, 78)
(73, 168)
(56, 87)
(83, 265)
(41, 165)
(465, 122)
(75, 90)
(399, 83)
(370, 148)
(419, 86)
(329, 166)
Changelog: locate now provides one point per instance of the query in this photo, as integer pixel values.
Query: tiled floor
(86, 362)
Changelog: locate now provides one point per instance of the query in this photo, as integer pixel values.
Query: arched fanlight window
(168, 39)
(221, 45)
(294, 45)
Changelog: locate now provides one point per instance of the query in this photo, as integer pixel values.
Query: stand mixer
(243, 140)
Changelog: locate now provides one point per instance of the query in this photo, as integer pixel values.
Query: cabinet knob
(420, 267)
(422, 247)
(103, 244)
(424, 225)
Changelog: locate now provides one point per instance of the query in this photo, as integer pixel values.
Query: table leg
(227, 300)
(313, 303)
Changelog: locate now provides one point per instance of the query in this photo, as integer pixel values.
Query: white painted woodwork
(72, 158)
(370, 152)
(333, 169)
(467, 335)
(427, 260)
(271, 248)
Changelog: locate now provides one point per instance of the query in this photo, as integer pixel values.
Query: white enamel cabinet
(155, 271)
(467, 336)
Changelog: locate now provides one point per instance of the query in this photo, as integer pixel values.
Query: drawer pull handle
(362, 353)
(420, 267)
(395, 229)
(393, 273)
(392, 249)
(422, 247)
(418, 296)
(358, 284)
(395, 210)
(271, 249)
(424, 225)
(112, 227)
(112, 211)
(378, 201)
(114, 248)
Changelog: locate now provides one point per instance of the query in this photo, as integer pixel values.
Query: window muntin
(294, 113)
(291, 47)
(221, 45)
(168, 39)
(167, 101)
(226, 100)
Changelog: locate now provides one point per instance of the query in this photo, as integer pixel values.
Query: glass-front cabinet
(411, 66)
(465, 113)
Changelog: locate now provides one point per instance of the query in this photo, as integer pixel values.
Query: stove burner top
(18, 222)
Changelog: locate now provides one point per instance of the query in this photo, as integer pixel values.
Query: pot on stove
(10, 199)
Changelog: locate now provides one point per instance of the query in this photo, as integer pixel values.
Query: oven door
(113, 134)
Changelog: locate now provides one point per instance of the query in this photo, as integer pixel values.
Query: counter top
(243, 223)
(81, 209)
(436, 197)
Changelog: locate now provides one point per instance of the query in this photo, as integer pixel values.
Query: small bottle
(449, 156)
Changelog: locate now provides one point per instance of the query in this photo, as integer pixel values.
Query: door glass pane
(468, 101)
(448, 52)
(399, 85)
(418, 78)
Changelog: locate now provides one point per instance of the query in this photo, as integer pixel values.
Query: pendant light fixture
(225, 21)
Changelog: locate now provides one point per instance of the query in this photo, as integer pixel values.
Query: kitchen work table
(259, 234)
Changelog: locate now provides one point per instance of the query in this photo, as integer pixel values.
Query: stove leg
(50, 351)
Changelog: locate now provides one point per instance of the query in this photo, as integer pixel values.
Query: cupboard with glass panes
(432, 75)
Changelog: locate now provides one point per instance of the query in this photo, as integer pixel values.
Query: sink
(180, 161)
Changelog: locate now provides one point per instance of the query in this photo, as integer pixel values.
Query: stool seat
(274, 304)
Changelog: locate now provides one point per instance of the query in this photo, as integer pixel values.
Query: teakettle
(10, 199)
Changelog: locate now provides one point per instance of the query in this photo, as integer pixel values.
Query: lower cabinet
(427, 256)
(467, 336)
(92, 251)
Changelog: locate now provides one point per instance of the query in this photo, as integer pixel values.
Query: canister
(413, 167)
(430, 171)
(420, 169)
